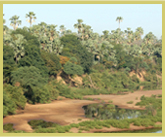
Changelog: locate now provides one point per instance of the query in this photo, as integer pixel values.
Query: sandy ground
(67, 111)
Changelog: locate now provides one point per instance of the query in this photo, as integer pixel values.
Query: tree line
(33, 55)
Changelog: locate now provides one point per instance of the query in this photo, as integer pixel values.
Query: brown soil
(67, 111)
(140, 75)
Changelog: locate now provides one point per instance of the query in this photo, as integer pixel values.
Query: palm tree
(18, 46)
(140, 30)
(31, 17)
(149, 38)
(15, 22)
(79, 26)
(138, 33)
(62, 30)
(106, 34)
(119, 19)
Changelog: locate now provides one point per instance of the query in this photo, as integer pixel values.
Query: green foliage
(143, 122)
(160, 95)
(31, 80)
(33, 58)
(112, 82)
(8, 127)
(73, 60)
(31, 40)
(8, 63)
(32, 55)
(85, 58)
(52, 62)
(130, 102)
(71, 69)
(36, 124)
(13, 98)
(120, 56)
(17, 131)
(110, 101)
(145, 101)
(9, 105)
(53, 91)
(73, 48)
(16, 95)
(45, 130)
(70, 43)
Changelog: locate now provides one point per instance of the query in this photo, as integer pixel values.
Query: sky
(99, 16)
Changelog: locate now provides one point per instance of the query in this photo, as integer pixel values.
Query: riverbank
(67, 111)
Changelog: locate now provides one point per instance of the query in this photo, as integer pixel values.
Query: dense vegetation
(34, 57)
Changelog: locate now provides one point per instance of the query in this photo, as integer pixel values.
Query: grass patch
(110, 101)
(130, 102)
(8, 127)
(160, 95)
(79, 119)
(35, 124)
(89, 99)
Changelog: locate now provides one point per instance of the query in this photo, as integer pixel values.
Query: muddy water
(110, 111)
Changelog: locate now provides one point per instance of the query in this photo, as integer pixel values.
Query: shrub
(12, 99)
(31, 80)
(110, 101)
(16, 94)
(52, 62)
(8, 127)
(8, 63)
(71, 69)
(36, 124)
(73, 48)
(130, 102)
(74, 125)
(160, 95)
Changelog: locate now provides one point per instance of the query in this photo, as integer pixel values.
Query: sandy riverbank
(67, 111)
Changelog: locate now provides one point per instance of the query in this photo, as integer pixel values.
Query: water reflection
(110, 111)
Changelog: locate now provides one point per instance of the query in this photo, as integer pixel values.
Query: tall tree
(62, 30)
(15, 22)
(140, 30)
(119, 19)
(18, 43)
(31, 16)
(79, 26)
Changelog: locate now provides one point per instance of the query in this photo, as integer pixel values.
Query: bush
(71, 69)
(52, 62)
(13, 98)
(33, 58)
(16, 95)
(8, 127)
(73, 48)
(9, 64)
(130, 102)
(35, 124)
(31, 80)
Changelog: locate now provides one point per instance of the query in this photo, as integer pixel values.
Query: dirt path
(68, 111)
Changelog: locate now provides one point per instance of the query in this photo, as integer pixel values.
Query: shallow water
(160, 131)
(110, 111)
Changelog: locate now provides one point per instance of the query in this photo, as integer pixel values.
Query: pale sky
(99, 16)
